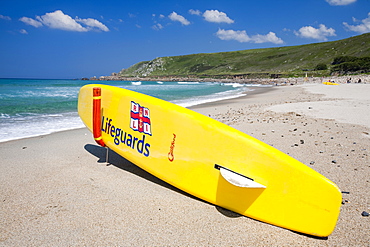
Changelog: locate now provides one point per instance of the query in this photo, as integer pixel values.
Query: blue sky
(74, 39)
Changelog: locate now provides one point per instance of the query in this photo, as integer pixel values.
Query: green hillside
(285, 61)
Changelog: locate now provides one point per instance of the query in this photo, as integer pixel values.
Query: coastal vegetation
(351, 55)
(346, 64)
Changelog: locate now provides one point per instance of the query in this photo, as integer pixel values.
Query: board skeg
(211, 160)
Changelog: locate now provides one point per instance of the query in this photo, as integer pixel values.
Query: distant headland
(343, 57)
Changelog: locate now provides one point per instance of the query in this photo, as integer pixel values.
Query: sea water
(31, 107)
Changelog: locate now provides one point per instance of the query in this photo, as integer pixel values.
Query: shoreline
(248, 94)
(58, 189)
(264, 81)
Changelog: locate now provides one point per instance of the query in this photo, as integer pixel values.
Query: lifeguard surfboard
(211, 160)
(329, 83)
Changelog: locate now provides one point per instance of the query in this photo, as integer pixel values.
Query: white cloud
(176, 17)
(59, 20)
(23, 31)
(242, 37)
(31, 22)
(364, 27)
(195, 12)
(268, 38)
(157, 27)
(216, 16)
(320, 33)
(92, 24)
(7, 18)
(340, 2)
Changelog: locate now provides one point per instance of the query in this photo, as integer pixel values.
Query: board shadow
(124, 164)
(228, 213)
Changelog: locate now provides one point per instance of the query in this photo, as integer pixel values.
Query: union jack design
(140, 119)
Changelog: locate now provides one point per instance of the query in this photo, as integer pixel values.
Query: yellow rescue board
(213, 161)
(329, 83)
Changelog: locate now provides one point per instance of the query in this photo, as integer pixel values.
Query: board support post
(107, 156)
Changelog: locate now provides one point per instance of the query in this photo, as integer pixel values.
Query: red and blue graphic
(140, 119)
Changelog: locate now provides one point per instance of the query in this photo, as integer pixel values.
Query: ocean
(32, 107)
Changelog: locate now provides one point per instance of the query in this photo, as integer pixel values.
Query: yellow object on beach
(329, 83)
(211, 160)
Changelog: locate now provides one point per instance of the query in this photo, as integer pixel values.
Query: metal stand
(107, 157)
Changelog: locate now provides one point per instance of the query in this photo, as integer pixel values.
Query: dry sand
(56, 189)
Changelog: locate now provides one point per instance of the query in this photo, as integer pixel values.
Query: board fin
(238, 179)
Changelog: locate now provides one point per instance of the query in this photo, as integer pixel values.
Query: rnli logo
(140, 119)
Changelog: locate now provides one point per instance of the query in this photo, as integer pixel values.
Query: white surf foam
(36, 125)
(188, 82)
(136, 83)
(211, 98)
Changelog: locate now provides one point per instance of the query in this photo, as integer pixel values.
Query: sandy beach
(57, 190)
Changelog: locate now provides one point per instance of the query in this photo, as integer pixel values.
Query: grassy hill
(285, 61)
